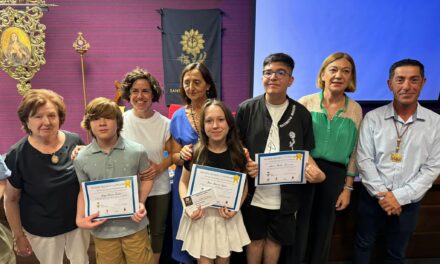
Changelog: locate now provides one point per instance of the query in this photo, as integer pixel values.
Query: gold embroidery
(22, 42)
(192, 43)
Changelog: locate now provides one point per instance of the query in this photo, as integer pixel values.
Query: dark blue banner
(190, 36)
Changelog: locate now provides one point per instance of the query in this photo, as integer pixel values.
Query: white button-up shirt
(411, 178)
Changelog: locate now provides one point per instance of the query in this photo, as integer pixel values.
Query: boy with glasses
(271, 123)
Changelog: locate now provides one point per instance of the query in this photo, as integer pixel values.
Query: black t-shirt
(217, 160)
(49, 191)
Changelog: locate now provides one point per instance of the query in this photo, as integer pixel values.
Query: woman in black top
(41, 194)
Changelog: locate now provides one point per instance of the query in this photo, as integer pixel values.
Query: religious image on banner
(22, 40)
(190, 36)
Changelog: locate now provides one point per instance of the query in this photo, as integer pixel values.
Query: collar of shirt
(343, 109)
(95, 147)
(419, 114)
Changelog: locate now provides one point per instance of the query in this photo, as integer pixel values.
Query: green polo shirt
(126, 158)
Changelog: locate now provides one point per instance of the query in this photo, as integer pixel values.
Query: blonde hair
(334, 57)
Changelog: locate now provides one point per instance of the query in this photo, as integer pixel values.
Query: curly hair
(137, 74)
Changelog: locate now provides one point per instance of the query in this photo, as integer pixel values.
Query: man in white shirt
(398, 158)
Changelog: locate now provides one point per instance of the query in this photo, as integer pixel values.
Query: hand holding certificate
(286, 167)
(112, 198)
(227, 185)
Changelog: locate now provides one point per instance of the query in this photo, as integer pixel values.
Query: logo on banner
(192, 44)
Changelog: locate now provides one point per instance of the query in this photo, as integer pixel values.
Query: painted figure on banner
(16, 46)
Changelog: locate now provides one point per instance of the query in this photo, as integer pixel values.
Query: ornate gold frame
(23, 61)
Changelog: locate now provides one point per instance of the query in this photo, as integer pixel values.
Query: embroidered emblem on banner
(192, 44)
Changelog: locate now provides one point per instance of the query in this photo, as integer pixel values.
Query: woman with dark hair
(41, 193)
(196, 86)
(151, 129)
(336, 119)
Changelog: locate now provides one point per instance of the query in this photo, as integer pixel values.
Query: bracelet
(348, 187)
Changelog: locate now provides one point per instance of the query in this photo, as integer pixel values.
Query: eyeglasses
(278, 73)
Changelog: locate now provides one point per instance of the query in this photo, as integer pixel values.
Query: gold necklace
(396, 156)
(194, 121)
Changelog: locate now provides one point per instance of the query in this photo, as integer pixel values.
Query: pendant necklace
(194, 121)
(54, 158)
(396, 156)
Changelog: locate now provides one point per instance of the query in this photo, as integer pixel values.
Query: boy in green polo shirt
(120, 240)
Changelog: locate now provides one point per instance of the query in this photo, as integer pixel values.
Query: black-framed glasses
(278, 73)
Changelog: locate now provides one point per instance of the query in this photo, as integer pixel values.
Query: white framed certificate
(112, 198)
(285, 167)
(227, 185)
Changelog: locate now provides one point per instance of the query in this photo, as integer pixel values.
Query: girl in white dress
(210, 234)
